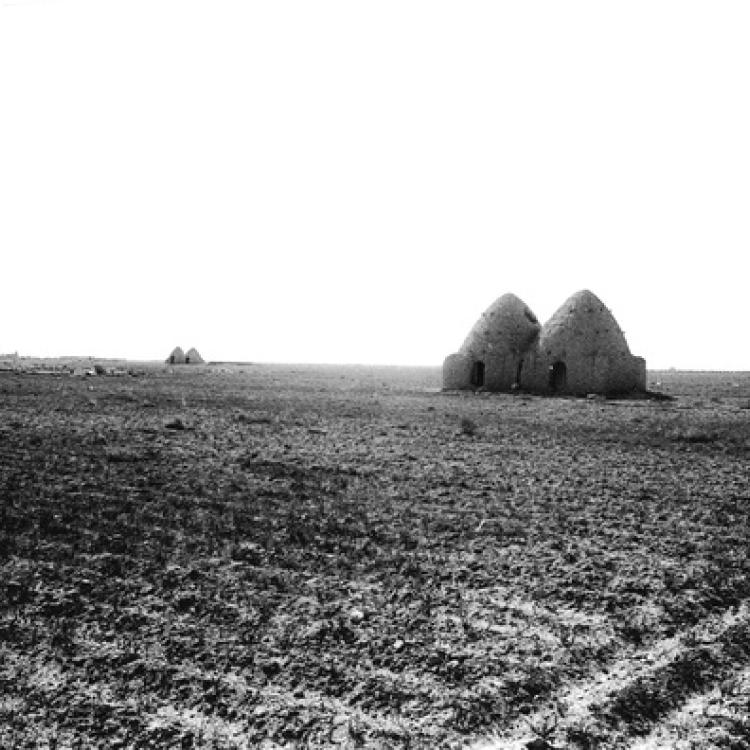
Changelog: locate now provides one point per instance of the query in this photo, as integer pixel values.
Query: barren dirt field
(318, 557)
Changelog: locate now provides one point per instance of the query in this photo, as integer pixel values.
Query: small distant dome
(193, 358)
(506, 325)
(177, 357)
(584, 325)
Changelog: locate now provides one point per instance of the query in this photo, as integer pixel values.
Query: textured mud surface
(340, 557)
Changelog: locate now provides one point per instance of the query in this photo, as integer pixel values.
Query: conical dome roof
(193, 357)
(585, 325)
(506, 325)
(177, 357)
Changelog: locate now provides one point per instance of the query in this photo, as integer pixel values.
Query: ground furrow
(637, 691)
(719, 716)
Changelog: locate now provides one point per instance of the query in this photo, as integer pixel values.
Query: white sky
(357, 181)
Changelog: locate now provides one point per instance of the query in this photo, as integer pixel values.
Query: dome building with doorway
(493, 353)
(193, 357)
(176, 357)
(579, 350)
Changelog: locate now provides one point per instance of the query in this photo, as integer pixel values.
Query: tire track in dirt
(637, 691)
(712, 718)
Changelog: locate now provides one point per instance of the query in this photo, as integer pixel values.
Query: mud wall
(607, 372)
(457, 372)
(501, 369)
(639, 373)
(599, 372)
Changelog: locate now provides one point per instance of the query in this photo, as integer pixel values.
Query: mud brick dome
(177, 357)
(579, 350)
(494, 349)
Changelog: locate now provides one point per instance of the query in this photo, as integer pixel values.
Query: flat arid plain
(257, 556)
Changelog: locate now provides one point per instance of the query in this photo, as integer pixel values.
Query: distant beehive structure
(177, 357)
(579, 350)
(193, 358)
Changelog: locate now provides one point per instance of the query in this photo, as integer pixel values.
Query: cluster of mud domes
(178, 357)
(579, 350)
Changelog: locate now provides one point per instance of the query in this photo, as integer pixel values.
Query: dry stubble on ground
(345, 557)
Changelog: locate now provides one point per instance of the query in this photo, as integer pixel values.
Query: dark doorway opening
(477, 374)
(558, 376)
(171, 359)
(187, 360)
(519, 367)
